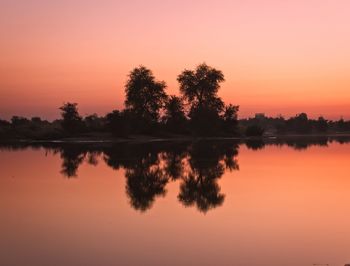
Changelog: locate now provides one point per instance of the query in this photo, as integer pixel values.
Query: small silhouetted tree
(72, 121)
(5, 127)
(341, 125)
(322, 124)
(200, 87)
(19, 121)
(4, 123)
(301, 123)
(121, 123)
(115, 123)
(144, 96)
(230, 119)
(93, 123)
(20, 127)
(175, 118)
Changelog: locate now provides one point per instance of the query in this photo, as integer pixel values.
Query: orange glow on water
(283, 207)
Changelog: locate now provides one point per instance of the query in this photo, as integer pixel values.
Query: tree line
(149, 110)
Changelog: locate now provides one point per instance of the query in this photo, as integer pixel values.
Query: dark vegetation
(197, 112)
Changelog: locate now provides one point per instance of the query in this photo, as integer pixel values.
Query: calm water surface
(203, 203)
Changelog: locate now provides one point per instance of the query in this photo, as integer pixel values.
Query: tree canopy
(200, 86)
(144, 95)
(71, 119)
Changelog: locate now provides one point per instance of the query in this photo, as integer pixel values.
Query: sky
(278, 57)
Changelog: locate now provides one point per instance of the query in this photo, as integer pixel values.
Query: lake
(274, 202)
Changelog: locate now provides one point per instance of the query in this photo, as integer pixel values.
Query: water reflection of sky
(225, 203)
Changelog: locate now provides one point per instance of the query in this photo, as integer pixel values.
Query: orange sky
(278, 57)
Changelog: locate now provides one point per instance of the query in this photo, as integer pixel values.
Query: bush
(254, 131)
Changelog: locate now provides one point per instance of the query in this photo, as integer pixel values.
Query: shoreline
(149, 139)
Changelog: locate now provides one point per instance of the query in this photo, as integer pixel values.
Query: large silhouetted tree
(72, 121)
(200, 87)
(144, 95)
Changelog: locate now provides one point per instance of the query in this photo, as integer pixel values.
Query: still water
(202, 203)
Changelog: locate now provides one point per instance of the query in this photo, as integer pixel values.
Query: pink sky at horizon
(278, 57)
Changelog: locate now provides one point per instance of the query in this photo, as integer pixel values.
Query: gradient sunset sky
(278, 57)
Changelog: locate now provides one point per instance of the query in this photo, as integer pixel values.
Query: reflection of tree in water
(149, 167)
(92, 158)
(145, 181)
(200, 191)
(173, 159)
(297, 143)
(230, 152)
(207, 163)
(304, 143)
(72, 157)
(255, 144)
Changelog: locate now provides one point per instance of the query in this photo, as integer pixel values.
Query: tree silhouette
(200, 88)
(144, 95)
(322, 124)
(230, 119)
(18, 121)
(175, 118)
(300, 123)
(94, 123)
(5, 128)
(342, 126)
(72, 121)
(119, 123)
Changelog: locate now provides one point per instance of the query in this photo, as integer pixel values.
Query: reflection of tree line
(297, 143)
(198, 166)
(150, 167)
